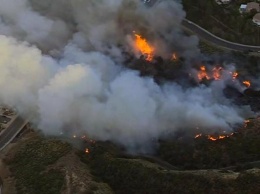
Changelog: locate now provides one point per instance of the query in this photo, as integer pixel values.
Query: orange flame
(202, 73)
(217, 73)
(246, 122)
(87, 151)
(174, 57)
(144, 47)
(247, 83)
(234, 75)
(213, 138)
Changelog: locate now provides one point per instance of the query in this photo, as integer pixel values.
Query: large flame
(142, 46)
(202, 74)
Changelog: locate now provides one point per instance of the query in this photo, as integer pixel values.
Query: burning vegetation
(153, 67)
(213, 137)
(202, 74)
(247, 83)
(141, 45)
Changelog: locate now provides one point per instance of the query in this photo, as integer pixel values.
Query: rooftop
(257, 17)
(243, 6)
(252, 5)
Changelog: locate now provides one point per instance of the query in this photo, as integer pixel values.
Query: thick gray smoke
(79, 83)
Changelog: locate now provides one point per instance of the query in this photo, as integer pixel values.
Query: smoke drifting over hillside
(62, 62)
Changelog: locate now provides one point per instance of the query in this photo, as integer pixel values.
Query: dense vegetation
(30, 163)
(241, 148)
(204, 153)
(129, 175)
(32, 166)
(224, 20)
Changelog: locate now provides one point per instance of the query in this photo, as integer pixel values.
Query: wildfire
(213, 137)
(144, 47)
(174, 57)
(234, 75)
(87, 151)
(246, 122)
(198, 135)
(247, 83)
(203, 73)
(217, 73)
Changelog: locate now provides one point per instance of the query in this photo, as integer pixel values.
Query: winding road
(206, 35)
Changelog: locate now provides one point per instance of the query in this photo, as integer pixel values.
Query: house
(252, 6)
(223, 1)
(256, 19)
(242, 8)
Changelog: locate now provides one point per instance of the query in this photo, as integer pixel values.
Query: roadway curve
(10, 132)
(206, 35)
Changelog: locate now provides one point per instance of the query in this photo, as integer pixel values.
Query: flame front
(246, 122)
(217, 73)
(247, 83)
(234, 75)
(203, 73)
(174, 57)
(213, 137)
(144, 47)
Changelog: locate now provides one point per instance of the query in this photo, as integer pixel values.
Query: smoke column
(62, 62)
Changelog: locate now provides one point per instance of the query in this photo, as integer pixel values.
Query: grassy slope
(48, 166)
(29, 166)
(32, 166)
(140, 176)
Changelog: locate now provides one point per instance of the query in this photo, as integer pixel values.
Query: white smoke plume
(84, 87)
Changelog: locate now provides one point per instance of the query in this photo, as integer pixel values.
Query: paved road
(9, 134)
(204, 34)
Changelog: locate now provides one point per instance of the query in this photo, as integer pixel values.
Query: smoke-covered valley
(62, 64)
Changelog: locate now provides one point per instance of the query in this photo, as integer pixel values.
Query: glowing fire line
(213, 138)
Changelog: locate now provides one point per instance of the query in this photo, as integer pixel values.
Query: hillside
(39, 165)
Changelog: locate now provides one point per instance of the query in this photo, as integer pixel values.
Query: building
(256, 19)
(223, 1)
(252, 6)
(242, 8)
